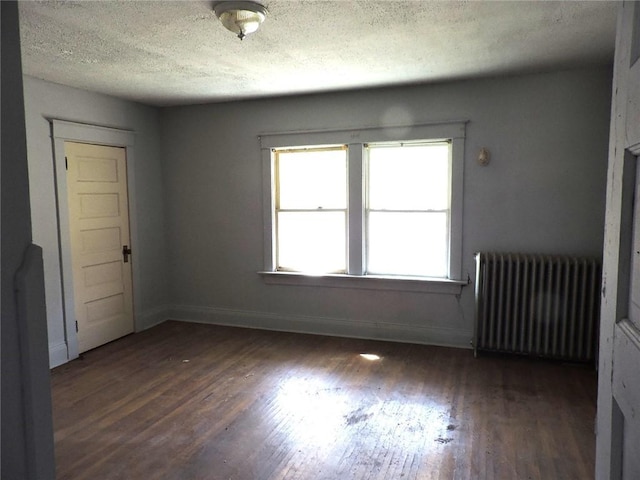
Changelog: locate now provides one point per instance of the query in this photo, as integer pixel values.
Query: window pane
(313, 242)
(407, 244)
(412, 177)
(312, 179)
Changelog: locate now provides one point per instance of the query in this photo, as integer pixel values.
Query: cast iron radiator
(539, 305)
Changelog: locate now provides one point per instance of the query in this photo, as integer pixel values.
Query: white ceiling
(177, 52)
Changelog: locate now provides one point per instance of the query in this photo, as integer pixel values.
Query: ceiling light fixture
(241, 18)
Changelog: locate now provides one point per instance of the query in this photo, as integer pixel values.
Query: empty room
(320, 240)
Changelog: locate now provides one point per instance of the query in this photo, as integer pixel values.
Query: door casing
(62, 131)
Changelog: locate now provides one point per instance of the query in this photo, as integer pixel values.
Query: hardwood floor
(187, 401)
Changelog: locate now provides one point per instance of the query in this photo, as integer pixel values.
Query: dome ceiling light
(240, 17)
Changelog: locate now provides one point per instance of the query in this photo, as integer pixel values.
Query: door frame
(64, 131)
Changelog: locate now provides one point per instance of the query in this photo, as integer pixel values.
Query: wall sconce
(484, 157)
(240, 17)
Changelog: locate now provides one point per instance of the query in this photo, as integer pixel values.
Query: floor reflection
(322, 412)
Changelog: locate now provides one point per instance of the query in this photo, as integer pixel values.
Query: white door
(618, 442)
(634, 291)
(626, 362)
(99, 231)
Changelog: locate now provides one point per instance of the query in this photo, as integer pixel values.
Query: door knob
(126, 251)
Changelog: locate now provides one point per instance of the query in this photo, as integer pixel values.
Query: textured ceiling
(171, 53)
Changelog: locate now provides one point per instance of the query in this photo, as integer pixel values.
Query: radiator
(539, 305)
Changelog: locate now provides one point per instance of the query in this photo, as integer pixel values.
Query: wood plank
(190, 401)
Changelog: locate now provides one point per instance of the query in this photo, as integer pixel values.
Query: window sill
(367, 282)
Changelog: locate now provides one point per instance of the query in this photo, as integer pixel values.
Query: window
(385, 207)
(408, 192)
(311, 209)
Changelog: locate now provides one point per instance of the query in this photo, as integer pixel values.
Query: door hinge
(76, 326)
(66, 164)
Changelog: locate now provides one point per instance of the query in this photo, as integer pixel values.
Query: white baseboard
(424, 334)
(428, 335)
(58, 354)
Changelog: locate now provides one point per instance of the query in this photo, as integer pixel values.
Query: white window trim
(355, 139)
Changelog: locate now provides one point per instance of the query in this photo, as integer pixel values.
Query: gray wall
(27, 434)
(199, 211)
(544, 191)
(43, 101)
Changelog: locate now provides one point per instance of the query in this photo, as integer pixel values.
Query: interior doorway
(100, 242)
(107, 157)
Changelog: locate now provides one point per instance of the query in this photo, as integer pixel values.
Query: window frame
(356, 139)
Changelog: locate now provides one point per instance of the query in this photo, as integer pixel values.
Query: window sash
(310, 239)
(420, 183)
(329, 200)
(426, 263)
(419, 243)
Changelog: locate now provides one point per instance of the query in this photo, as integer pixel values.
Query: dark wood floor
(187, 401)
